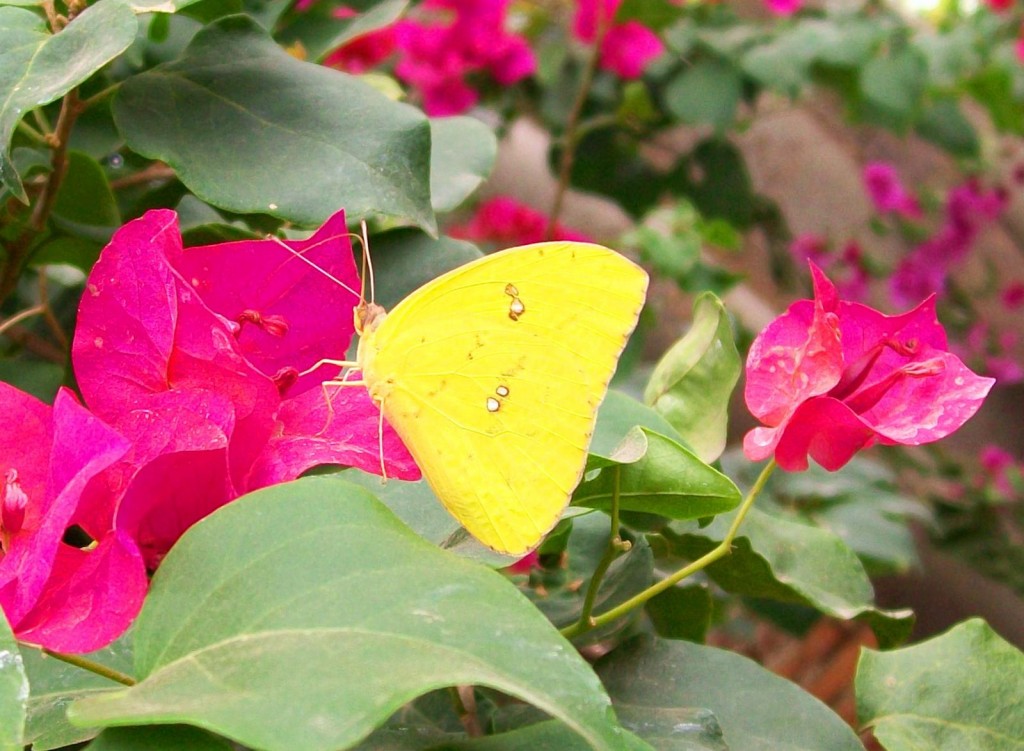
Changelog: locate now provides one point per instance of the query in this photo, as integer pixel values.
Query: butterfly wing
(492, 375)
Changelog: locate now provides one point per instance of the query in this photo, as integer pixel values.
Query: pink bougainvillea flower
(454, 40)
(887, 192)
(63, 597)
(506, 221)
(195, 355)
(626, 48)
(783, 7)
(828, 378)
(999, 5)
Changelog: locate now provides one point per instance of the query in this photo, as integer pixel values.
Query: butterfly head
(368, 316)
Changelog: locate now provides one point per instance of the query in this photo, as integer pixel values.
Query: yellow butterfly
(492, 375)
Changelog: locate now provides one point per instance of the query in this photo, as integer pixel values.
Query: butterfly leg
(342, 364)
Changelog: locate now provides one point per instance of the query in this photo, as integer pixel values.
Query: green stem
(91, 665)
(570, 139)
(720, 551)
(616, 546)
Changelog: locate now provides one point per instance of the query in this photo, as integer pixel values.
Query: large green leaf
(251, 129)
(692, 383)
(406, 259)
(962, 691)
(541, 735)
(175, 738)
(37, 67)
(656, 475)
(756, 709)
(462, 153)
(303, 615)
(13, 691)
(783, 560)
(55, 684)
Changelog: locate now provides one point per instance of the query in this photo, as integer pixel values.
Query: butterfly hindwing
(492, 375)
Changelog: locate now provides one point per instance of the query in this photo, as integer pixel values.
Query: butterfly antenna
(367, 263)
(312, 264)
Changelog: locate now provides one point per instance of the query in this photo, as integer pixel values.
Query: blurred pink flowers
(783, 7)
(506, 221)
(626, 48)
(829, 378)
(887, 192)
(461, 39)
(969, 207)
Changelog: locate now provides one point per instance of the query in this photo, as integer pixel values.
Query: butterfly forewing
(492, 375)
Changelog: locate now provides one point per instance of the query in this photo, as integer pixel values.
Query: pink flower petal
(291, 315)
(922, 409)
(311, 433)
(826, 429)
(78, 447)
(96, 597)
(797, 356)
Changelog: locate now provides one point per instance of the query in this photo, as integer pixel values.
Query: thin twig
(48, 314)
(155, 171)
(570, 137)
(18, 249)
(18, 318)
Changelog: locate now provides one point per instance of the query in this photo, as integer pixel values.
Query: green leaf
(55, 684)
(38, 377)
(173, 738)
(707, 92)
(37, 67)
(944, 124)
(13, 691)
(657, 475)
(681, 612)
(960, 690)
(714, 176)
(894, 85)
(406, 259)
(297, 140)
(783, 560)
(314, 636)
(418, 507)
(993, 88)
(462, 153)
(654, 14)
(617, 416)
(692, 383)
(85, 200)
(160, 6)
(756, 709)
(615, 168)
(539, 736)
